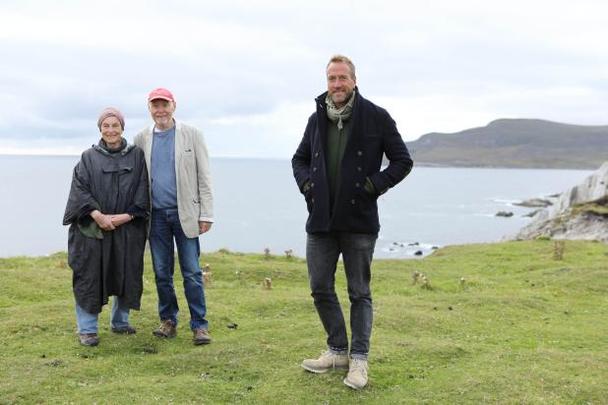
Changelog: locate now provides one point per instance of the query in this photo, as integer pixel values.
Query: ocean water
(258, 206)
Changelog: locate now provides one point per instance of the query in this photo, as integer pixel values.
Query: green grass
(596, 208)
(522, 328)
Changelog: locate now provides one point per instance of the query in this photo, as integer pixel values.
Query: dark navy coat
(373, 134)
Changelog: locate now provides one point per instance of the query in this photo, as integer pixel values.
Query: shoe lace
(329, 353)
(359, 365)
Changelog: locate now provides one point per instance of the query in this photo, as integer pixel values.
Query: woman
(107, 211)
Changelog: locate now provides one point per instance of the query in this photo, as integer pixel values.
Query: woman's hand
(120, 219)
(103, 221)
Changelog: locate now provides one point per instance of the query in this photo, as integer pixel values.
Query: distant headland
(515, 143)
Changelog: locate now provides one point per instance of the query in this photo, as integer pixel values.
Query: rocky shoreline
(580, 213)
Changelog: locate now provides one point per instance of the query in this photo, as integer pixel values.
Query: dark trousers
(322, 253)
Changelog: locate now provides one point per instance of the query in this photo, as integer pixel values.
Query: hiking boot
(166, 329)
(327, 361)
(201, 337)
(127, 330)
(88, 339)
(357, 374)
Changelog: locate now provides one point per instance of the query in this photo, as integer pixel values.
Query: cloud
(275, 133)
(247, 72)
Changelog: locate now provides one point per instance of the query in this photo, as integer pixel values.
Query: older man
(337, 167)
(182, 209)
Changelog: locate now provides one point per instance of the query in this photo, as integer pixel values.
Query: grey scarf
(338, 115)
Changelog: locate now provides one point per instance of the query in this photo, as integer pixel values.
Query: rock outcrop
(579, 213)
(535, 203)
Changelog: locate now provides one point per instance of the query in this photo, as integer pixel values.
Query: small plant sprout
(425, 282)
(415, 276)
(558, 249)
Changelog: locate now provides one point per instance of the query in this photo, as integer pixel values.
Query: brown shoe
(165, 330)
(201, 337)
(88, 339)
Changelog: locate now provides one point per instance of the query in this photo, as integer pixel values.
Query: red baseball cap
(161, 93)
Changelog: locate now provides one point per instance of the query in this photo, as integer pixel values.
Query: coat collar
(322, 112)
(147, 141)
(178, 128)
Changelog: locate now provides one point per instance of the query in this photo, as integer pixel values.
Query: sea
(258, 206)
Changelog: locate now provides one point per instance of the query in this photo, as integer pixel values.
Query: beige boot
(357, 374)
(327, 361)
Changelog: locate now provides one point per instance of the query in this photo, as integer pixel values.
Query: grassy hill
(517, 143)
(523, 327)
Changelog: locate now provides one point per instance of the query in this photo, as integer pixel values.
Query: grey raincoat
(106, 263)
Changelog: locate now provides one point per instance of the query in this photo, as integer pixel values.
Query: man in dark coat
(337, 167)
(107, 210)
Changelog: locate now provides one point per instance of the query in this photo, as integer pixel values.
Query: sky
(247, 72)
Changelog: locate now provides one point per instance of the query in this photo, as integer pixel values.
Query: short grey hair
(343, 59)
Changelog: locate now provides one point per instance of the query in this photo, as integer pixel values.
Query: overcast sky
(246, 72)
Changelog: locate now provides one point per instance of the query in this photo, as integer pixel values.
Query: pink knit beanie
(111, 112)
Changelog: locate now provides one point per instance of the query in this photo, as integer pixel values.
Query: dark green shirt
(336, 144)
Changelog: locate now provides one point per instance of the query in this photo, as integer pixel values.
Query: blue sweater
(162, 171)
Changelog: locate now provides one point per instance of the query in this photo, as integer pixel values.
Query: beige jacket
(194, 195)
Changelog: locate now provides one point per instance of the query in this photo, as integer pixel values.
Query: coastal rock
(506, 214)
(532, 213)
(534, 203)
(584, 226)
(579, 213)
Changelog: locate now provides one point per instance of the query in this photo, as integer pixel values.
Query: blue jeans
(165, 228)
(119, 319)
(322, 253)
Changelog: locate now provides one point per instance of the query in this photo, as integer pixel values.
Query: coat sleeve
(138, 140)
(400, 162)
(80, 201)
(141, 201)
(300, 163)
(205, 192)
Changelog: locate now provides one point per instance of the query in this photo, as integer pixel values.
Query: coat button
(316, 154)
(359, 168)
(314, 169)
(359, 153)
(352, 201)
(312, 185)
(312, 200)
(357, 185)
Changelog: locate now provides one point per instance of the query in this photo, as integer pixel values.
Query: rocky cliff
(579, 213)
